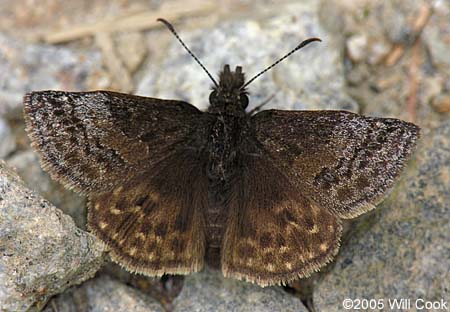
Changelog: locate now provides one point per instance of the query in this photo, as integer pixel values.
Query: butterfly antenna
(172, 29)
(301, 45)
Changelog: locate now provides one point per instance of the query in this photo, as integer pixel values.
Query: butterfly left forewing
(274, 233)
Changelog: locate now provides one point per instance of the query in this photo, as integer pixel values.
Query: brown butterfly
(261, 196)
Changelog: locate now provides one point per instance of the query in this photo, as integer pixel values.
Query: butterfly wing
(274, 233)
(299, 173)
(139, 161)
(154, 223)
(95, 141)
(343, 161)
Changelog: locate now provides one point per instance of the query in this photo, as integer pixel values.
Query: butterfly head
(229, 96)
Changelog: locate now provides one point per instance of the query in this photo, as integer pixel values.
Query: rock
(7, 141)
(441, 103)
(310, 79)
(210, 291)
(29, 67)
(405, 254)
(103, 294)
(42, 251)
(357, 48)
(27, 165)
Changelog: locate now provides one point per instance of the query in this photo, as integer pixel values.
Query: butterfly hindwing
(154, 223)
(95, 141)
(274, 233)
(343, 161)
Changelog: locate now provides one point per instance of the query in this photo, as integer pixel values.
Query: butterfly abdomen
(224, 141)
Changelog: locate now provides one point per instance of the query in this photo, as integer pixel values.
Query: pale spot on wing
(140, 235)
(331, 228)
(102, 225)
(117, 191)
(154, 197)
(270, 267)
(288, 265)
(115, 211)
(311, 255)
(97, 206)
(151, 256)
(132, 251)
(283, 249)
(314, 230)
(136, 209)
(323, 247)
(315, 210)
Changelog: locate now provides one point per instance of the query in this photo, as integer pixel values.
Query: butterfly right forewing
(343, 161)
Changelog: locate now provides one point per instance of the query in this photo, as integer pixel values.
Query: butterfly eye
(244, 101)
(213, 97)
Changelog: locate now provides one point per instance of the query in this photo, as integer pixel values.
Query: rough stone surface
(7, 141)
(26, 67)
(210, 291)
(27, 165)
(312, 78)
(42, 251)
(405, 254)
(103, 294)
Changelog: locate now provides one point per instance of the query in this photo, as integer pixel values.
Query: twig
(414, 81)
(116, 68)
(134, 22)
(417, 27)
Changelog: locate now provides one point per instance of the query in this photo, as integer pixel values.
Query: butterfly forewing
(95, 141)
(343, 161)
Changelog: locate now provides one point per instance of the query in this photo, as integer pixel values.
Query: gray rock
(405, 254)
(26, 67)
(7, 141)
(210, 291)
(310, 79)
(103, 294)
(28, 167)
(42, 251)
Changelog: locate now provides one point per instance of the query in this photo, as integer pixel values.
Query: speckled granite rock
(7, 141)
(405, 254)
(210, 291)
(42, 251)
(26, 67)
(27, 165)
(103, 294)
(310, 79)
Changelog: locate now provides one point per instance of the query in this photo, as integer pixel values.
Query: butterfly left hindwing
(154, 223)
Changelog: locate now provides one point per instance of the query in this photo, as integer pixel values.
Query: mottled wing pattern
(343, 161)
(274, 233)
(94, 141)
(139, 161)
(154, 224)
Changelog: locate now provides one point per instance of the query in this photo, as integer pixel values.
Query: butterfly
(261, 196)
